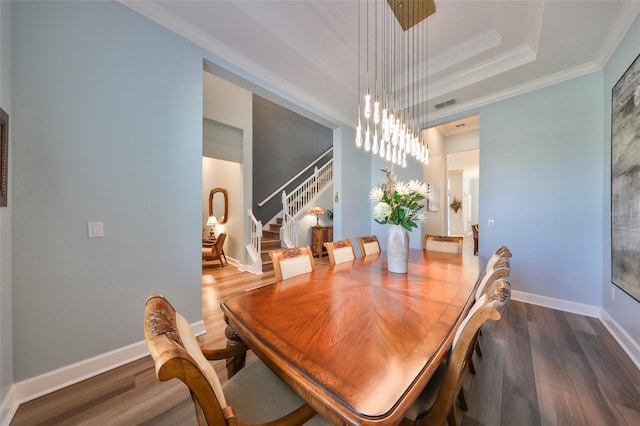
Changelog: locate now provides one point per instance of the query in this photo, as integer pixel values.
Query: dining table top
(355, 341)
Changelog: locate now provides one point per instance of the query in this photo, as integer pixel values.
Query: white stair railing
(298, 199)
(289, 230)
(255, 246)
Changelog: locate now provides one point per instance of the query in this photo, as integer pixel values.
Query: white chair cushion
(343, 254)
(371, 248)
(442, 246)
(295, 266)
(479, 303)
(257, 395)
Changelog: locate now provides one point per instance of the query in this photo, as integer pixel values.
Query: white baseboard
(9, 407)
(630, 347)
(52, 381)
(559, 304)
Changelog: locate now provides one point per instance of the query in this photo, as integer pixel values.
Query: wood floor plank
(489, 375)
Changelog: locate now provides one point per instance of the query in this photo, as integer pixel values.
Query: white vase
(397, 249)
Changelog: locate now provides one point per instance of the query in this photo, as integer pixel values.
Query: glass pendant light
(359, 132)
(375, 146)
(367, 105)
(367, 139)
(376, 111)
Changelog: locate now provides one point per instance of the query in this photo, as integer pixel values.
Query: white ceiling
(478, 51)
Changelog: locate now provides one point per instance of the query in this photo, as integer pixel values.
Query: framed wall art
(4, 156)
(625, 181)
(433, 201)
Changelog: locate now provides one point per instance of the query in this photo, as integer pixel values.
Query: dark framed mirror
(219, 204)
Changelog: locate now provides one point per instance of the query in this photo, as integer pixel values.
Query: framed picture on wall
(433, 201)
(625, 181)
(4, 156)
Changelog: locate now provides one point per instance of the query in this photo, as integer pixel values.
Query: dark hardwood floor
(540, 367)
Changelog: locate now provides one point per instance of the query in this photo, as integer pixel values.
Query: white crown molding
(463, 51)
(514, 91)
(506, 61)
(52, 381)
(627, 16)
(236, 63)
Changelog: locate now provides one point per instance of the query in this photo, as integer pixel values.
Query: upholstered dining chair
(253, 395)
(340, 251)
(436, 402)
(500, 269)
(214, 251)
(500, 252)
(443, 243)
(368, 245)
(291, 262)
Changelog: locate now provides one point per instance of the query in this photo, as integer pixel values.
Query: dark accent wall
(284, 143)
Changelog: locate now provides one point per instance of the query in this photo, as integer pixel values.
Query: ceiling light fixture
(391, 120)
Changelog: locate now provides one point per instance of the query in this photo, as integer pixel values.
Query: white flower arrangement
(399, 203)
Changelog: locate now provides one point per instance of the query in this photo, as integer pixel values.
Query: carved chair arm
(216, 354)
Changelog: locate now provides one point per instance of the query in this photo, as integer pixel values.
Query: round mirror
(219, 204)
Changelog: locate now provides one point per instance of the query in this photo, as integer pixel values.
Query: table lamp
(317, 211)
(211, 222)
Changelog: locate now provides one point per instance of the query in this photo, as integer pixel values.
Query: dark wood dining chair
(340, 251)
(368, 245)
(253, 395)
(214, 250)
(435, 405)
(476, 231)
(290, 262)
(442, 243)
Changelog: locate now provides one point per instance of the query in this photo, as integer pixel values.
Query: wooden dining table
(358, 343)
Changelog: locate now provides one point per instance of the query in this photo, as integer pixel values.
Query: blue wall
(107, 126)
(541, 181)
(6, 325)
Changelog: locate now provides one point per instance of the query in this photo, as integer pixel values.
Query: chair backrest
(489, 307)
(500, 252)
(291, 262)
(220, 242)
(443, 243)
(368, 245)
(500, 269)
(340, 251)
(177, 354)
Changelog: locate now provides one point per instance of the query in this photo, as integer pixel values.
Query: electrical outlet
(95, 229)
(491, 223)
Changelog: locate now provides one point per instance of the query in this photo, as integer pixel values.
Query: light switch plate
(95, 229)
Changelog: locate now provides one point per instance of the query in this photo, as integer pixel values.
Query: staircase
(284, 232)
(270, 241)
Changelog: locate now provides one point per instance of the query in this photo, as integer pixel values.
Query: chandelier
(396, 62)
